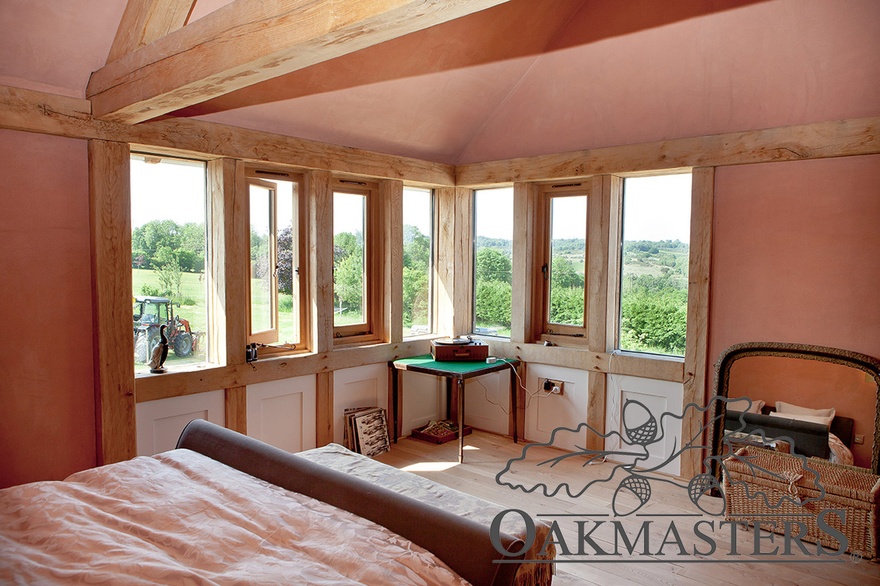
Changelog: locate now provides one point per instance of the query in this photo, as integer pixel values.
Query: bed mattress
(180, 517)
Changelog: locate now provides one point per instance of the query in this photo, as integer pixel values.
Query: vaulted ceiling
(522, 78)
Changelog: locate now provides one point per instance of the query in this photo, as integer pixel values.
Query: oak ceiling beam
(249, 41)
(145, 21)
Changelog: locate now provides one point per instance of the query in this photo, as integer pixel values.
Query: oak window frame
(270, 344)
(562, 334)
(372, 328)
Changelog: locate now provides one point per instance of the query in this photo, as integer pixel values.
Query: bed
(225, 508)
(830, 439)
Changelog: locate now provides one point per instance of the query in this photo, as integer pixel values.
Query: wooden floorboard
(487, 454)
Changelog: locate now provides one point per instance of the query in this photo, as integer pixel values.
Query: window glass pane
(654, 273)
(287, 260)
(262, 267)
(349, 281)
(168, 243)
(418, 233)
(493, 264)
(568, 245)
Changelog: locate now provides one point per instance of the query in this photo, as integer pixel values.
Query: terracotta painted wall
(47, 407)
(795, 256)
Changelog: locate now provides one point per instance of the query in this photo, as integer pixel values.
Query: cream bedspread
(462, 504)
(182, 518)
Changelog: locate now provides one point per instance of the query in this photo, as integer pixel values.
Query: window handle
(545, 270)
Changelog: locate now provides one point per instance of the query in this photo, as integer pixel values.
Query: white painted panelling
(487, 402)
(362, 386)
(160, 422)
(424, 400)
(282, 413)
(658, 397)
(544, 413)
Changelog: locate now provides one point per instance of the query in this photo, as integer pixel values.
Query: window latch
(545, 270)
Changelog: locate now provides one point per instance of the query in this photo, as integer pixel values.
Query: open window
(275, 289)
(564, 266)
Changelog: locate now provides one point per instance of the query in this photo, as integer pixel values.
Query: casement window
(357, 254)
(564, 261)
(418, 261)
(493, 265)
(654, 249)
(169, 241)
(276, 288)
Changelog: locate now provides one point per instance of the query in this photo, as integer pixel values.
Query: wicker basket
(778, 475)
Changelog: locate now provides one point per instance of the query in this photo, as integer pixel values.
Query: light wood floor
(487, 454)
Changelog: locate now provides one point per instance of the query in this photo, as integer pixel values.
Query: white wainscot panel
(660, 400)
(546, 412)
(362, 386)
(423, 400)
(282, 413)
(160, 422)
(487, 402)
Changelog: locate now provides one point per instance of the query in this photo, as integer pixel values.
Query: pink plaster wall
(47, 401)
(795, 256)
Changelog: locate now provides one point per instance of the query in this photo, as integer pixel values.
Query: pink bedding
(180, 517)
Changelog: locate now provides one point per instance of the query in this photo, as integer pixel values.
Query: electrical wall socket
(552, 386)
(859, 439)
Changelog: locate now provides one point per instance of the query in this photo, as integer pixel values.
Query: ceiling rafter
(249, 41)
(145, 21)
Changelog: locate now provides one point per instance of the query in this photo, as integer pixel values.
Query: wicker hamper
(855, 490)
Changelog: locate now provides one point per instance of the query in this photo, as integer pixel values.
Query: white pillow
(756, 406)
(802, 417)
(783, 407)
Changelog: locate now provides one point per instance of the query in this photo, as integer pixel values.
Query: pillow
(739, 404)
(756, 407)
(783, 407)
(801, 417)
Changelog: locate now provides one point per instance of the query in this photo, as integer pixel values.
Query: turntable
(455, 349)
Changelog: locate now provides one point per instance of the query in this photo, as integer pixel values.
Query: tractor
(149, 314)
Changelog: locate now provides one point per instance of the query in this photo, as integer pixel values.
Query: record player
(455, 349)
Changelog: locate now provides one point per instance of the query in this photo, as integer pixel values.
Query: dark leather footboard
(462, 544)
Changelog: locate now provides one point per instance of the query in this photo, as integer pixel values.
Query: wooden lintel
(250, 41)
(33, 111)
(860, 136)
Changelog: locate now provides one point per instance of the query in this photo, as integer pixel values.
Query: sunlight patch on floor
(430, 466)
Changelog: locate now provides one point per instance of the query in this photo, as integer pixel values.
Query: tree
(492, 303)
(186, 242)
(492, 265)
(416, 248)
(346, 244)
(567, 306)
(170, 277)
(416, 280)
(348, 283)
(563, 274)
(284, 246)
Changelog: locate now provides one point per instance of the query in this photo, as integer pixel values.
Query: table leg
(514, 391)
(460, 421)
(396, 396)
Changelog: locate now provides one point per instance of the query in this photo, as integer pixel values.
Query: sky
(655, 208)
